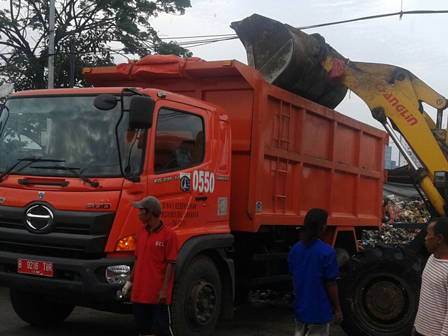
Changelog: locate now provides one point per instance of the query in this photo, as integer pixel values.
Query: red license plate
(43, 268)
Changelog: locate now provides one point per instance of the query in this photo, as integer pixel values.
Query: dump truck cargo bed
(288, 153)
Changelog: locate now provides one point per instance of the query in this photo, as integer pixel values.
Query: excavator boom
(394, 96)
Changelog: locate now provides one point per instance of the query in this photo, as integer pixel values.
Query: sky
(415, 42)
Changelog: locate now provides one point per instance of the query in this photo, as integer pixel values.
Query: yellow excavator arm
(394, 96)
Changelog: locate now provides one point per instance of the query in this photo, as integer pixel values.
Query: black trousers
(146, 314)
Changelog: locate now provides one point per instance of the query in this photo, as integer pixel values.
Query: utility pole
(72, 60)
(51, 46)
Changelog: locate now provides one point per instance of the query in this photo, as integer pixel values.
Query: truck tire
(36, 310)
(379, 291)
(196, 299)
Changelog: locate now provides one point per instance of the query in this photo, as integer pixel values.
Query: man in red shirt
(152, 276)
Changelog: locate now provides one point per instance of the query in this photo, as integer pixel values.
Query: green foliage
(101, 29)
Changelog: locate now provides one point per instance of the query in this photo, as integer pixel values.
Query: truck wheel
(196, 299)
(36, 310)
(379, 291)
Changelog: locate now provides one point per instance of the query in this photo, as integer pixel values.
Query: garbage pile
(387, 235)
(396, 210)
(273, 297)
(399, 210)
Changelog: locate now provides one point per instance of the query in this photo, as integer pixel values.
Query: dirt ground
(254, 318)
(260, 318)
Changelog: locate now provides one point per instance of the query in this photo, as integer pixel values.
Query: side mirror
(105, 102)
(141, 112)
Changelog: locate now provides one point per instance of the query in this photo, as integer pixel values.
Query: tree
(101, 28)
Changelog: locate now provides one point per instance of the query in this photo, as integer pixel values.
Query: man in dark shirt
(151, 277)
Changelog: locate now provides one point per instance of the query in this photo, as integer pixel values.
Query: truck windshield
(69, 129)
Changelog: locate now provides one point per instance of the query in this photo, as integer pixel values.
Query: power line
(372, 17)
(190, 44)
(188, 37)
(226, 37)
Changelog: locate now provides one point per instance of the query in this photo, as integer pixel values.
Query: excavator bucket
(289, 58)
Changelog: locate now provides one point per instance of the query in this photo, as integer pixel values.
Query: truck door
(183, 171)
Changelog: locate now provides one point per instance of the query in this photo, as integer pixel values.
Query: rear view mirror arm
(126, 176)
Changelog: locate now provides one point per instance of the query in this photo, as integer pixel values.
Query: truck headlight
(126, 244)
(117, 274)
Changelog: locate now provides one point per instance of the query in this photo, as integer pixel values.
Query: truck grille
(73, 234)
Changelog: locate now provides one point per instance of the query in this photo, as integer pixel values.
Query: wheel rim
(202, 303)
(385, 302)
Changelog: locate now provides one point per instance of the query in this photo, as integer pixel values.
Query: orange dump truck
(235, 162)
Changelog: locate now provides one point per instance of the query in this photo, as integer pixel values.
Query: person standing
(151, 278)
(314, 268)
(432, 315)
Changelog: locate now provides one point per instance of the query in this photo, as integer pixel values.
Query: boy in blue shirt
(314, 268)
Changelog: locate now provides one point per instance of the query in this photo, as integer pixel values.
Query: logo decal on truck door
(184, 182)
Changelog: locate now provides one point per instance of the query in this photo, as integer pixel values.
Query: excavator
(379, 287)
(395, 96)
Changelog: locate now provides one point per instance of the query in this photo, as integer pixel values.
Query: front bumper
(81, 282)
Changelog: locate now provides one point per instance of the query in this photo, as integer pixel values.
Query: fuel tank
(289, 58)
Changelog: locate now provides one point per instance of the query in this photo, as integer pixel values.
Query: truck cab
(72, 163)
